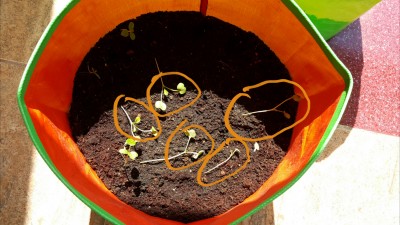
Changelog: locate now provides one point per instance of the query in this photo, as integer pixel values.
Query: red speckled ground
(370, 49)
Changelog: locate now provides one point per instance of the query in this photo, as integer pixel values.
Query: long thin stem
(158, 68)
(127, 115)
(133, 125)
(255, 112)
(93, 71)
(159, 160)
(144, 131)
(187, 144)
(130, 121)
(268, 110)
(162, 91)
(173, 90)
(162, 83)
(262, 111)
(222, 163)
(172, 157)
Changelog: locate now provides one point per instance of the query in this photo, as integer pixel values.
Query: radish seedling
(275, 109)
(128, 151)
(195, 155)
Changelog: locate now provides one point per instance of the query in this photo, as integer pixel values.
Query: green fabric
(327, 27)
(332, 16)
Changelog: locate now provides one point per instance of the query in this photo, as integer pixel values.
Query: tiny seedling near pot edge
(127, 151)
(93, 71)
(285, 114)
(195, 155)
(129, 31)
(180, 88)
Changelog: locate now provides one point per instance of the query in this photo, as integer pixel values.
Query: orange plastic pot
(45, 92)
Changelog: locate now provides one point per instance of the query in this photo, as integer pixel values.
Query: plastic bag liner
(45, 92)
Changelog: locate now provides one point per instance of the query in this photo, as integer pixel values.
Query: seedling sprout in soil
(134, 125)
(129, 31)
(127, 151)
(91, 70)
(130, 143)
(275, 109)
(223, 162)
(190, 133)
(180, 88)
(195, 155)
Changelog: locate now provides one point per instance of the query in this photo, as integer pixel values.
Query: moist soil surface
(221, 59)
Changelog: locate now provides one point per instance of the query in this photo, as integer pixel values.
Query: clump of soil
(221, 59)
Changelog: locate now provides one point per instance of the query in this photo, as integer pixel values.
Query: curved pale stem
(223, 162)
(130, 121)
(173, 157)
(159, 160)
(268, 110)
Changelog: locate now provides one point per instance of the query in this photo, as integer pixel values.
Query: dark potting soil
(221, 59)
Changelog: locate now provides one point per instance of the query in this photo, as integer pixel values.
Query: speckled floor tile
(16, 150)
(356, 181)
(370, 49)
(50, 202)
(21, 25)
(30, 193)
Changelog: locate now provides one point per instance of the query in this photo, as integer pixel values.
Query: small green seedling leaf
(198, 154)
(286, 115)
(130, 142)
(123, 151)
(131, 26)
(256, 146)
(124, 33)
(160, 105)
(137, 119)
(297, 98)
(154, 131)
(165, 92)
(190, 133)
(181, 88)
(132, 36)
(129, 31)
(133, 155)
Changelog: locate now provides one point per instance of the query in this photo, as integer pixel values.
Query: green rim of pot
(290, 4)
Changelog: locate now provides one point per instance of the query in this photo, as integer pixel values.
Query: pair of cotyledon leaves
(129, 31)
